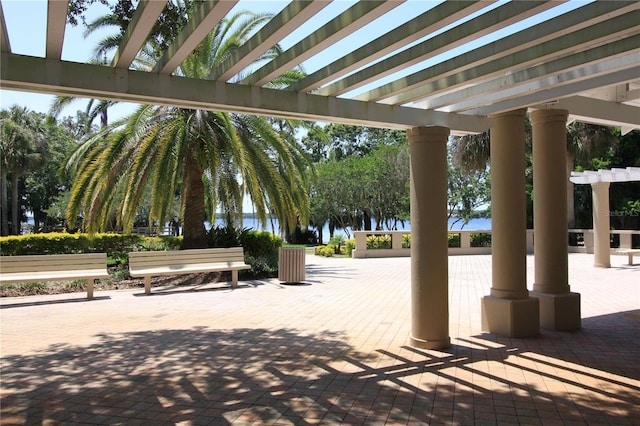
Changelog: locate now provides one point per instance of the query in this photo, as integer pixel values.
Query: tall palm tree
(21, 137)
(215, 158)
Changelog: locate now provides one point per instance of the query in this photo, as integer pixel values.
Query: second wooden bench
(148, 264)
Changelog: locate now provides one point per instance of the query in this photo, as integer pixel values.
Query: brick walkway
(333, 351)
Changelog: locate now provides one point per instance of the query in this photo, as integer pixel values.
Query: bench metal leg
(234, 278)
(147, 285)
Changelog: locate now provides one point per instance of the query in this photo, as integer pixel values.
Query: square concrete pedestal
(560, 312)
(511, 317)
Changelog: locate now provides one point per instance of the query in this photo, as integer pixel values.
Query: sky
(26, 23)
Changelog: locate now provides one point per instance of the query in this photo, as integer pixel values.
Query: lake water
(481, 224)
(273, 226)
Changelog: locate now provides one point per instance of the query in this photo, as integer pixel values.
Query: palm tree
(20, 142)
(585, 142)
(172, 20)
(215, 158)
(471, 152)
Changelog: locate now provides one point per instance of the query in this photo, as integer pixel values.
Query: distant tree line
(589, 147)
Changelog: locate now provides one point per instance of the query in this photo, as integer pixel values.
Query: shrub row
(384, 241)
(345, 247)
(62, 243)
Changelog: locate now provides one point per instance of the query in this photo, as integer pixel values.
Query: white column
(508, 310)
(429, 251)
(601, 225)
(559, 307)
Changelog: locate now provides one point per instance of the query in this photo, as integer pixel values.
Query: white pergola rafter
(143, 21)
(629, 174)
(551, 84)
(434, 19)
(597, 111)
(5, 45)
(566, 90)
(354, 18)
(290, 18)
(559, 36)
(208, 15)
(597, 60)
(484, 24)
(56, 17)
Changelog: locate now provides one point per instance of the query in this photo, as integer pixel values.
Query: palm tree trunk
(193, 207)
(4, 205)
(15, 220)
(571, 211)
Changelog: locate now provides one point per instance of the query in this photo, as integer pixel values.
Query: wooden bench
(54, 267)
(628, 252)
(153, 263)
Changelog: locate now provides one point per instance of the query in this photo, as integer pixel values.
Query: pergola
(600, 181)
(421, 76)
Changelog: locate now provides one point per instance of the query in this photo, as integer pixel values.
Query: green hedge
(480, 240)
(260, 248)
(115, 245)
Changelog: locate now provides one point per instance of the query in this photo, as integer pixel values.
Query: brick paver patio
(332, 351)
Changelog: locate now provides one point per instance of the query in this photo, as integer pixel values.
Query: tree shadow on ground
(286, 376)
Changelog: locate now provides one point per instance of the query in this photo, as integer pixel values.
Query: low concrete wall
(396, 250)
(583, 237)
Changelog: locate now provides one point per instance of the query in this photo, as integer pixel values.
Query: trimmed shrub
(261, 252)
(378, 242)
(454, 240)
(480, 240)
(161, 243)
(260, 248)
(406, 240)
(326, 251)
(349, 246)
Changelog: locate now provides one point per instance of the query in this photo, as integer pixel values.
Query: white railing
(394, 243)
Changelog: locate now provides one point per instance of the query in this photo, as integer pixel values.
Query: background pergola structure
(600, 181)
(582, 63)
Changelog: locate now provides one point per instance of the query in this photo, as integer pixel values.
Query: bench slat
(211, 256)
(53, 275)
(187, 269)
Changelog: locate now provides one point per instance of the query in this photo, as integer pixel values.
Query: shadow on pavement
(209, 376)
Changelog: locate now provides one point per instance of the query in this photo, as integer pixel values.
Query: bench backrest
(149, 259)
(52, 262)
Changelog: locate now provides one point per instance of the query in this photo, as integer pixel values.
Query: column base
(511, 317)
(429, 344)
(560, 312)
